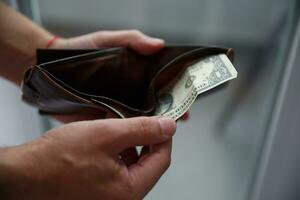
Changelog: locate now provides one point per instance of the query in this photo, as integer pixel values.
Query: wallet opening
(110, 76)
(117, 77)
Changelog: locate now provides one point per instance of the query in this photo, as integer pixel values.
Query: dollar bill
(178, 96)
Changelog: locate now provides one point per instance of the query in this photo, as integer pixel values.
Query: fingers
(141, 131)
(132, 38)
(151, 166)
(120, 134)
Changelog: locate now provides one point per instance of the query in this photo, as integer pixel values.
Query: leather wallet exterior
(116, 80)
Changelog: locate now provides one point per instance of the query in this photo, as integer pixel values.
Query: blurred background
(218, 154)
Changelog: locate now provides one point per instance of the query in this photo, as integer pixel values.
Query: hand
(82, 160)
(133, 39)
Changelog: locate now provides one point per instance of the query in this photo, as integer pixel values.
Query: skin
(88, 158)
(82, 160)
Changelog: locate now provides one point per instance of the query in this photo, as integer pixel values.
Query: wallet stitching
(46, 75)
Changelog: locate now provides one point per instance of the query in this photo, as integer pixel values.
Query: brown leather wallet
(116, 80)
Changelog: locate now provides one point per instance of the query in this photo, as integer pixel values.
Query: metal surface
(279, 176)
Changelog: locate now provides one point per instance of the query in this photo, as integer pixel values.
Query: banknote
(178, 96)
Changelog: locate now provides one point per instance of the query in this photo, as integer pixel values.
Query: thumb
(140, 131)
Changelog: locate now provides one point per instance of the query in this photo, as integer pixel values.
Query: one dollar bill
(178, 96)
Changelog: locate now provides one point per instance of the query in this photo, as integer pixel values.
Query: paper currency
(177, 97)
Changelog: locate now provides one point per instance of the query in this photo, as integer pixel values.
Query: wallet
(117, 80)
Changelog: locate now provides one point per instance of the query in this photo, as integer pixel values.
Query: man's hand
(133, 39)
(82, 160)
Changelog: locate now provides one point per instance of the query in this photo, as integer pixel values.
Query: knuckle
(101, 34)
(144, 125)
(98, 34)
(71, 127)
(135, 33)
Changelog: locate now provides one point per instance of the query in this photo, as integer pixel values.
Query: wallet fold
(117, 80)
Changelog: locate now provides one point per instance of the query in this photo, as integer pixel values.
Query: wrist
(20, 55)
(16, 178)
(7, 174)
(56, 42)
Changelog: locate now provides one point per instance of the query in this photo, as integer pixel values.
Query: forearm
(19, 39)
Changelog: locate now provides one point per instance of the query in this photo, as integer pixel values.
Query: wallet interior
(119, 75)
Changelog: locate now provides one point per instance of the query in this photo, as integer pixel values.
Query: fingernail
(157, 40)
(167, 125)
